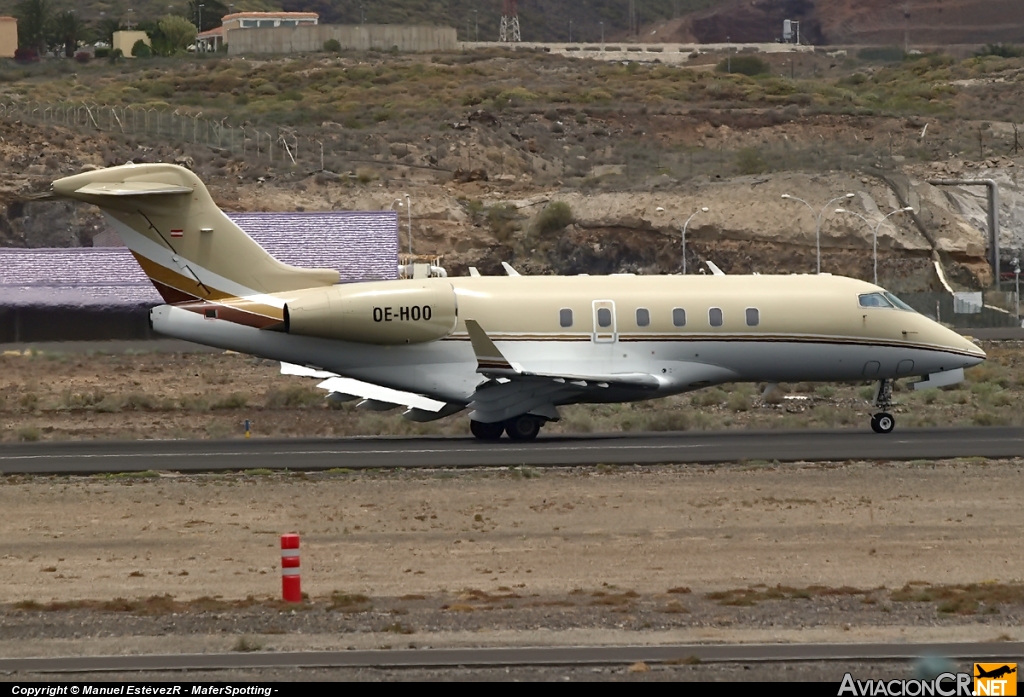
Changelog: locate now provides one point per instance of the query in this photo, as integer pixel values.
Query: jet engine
(380, 312)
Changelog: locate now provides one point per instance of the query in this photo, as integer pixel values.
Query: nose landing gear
(883, 422)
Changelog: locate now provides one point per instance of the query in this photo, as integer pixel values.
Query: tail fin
(186, 245)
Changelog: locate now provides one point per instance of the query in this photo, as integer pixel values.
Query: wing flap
(375, 397)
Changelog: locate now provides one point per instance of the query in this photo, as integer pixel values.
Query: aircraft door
(604, 322)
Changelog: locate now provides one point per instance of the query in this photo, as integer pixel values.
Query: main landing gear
(883, 421)
(524, 427)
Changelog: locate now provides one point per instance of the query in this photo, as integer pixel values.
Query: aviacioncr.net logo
(945, 685)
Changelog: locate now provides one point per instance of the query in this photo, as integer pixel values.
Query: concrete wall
(125, 40)
(673, 54)
(359, 37)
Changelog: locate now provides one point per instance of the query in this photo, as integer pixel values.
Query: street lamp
(874, 232)
(702, 210)
(817, 228)
(408, 214)
(1016, 281)
(408, 208)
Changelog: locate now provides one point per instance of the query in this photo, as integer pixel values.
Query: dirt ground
(854, 552)
(153, 394)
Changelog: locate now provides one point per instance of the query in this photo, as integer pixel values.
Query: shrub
(749, 161)
(83, 57)
(332, 46)
(1001, 50)
(887, 54)
(116, 55)
(141, 49)
(744, 65)
(555, 216)
(26, 55)
(102, 52)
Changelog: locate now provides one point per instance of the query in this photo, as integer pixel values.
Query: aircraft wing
(374, 397)
(513, 391)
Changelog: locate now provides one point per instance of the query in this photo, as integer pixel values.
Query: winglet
(489, 360)
(508, 269)
(715, 271)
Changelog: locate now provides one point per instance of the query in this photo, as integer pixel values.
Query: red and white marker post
(291, 581)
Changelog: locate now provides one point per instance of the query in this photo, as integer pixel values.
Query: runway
(524, 656)
(614, 449)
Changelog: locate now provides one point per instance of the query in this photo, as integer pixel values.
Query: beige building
(213, 39)
(124, 40)
(8, 37)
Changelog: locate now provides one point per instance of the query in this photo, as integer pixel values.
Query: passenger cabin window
(565, 317)
(715, 317)
(604, 317)
(643, 317)
(753, 317)
(678, 317)
(873, 300)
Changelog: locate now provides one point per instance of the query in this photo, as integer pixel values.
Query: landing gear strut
(883, 421)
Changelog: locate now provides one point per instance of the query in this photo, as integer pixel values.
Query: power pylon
(509, 29)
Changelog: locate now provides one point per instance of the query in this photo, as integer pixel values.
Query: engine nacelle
(381, 312)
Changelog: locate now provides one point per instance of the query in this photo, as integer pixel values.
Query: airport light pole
(701, 210)
(1016, 281)
(408, 216)
(817, 227)
(874, 232)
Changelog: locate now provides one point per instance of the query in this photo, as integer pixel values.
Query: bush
(83, 57)
(332, 46)
(887, 54)
(142, 50)
(26, 55)
(1001, 50)
(116, 55)
(744, 65)
(102, 52)
(555, 216)
(749, 161)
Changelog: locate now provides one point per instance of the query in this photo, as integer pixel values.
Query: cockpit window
(898, 303)
(873, 300)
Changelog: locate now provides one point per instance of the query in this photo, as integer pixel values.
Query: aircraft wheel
(486, 431)
(523, 427)
(883, 422)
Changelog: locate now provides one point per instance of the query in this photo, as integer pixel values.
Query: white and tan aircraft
(510, 349)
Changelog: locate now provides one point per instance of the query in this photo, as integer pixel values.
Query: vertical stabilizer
(186, 245)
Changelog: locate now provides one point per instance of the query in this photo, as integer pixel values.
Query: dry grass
(752, 596)
(962, 599)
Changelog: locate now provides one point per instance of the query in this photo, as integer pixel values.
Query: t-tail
(191, 251)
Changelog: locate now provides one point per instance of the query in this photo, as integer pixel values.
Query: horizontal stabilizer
(133, 188)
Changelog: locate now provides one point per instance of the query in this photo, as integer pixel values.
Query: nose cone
(972, 353)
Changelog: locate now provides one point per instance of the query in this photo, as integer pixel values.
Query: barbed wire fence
(336, 148)
(274, 146)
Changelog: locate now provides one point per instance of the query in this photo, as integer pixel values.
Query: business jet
(510, 349)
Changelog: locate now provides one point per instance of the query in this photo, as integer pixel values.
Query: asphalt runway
(522, 656)
(619, 449)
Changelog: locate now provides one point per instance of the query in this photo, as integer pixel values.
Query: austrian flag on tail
(177, 233)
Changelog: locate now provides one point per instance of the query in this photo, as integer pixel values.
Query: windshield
(883, 299)
(873, 300)
(898, 303)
